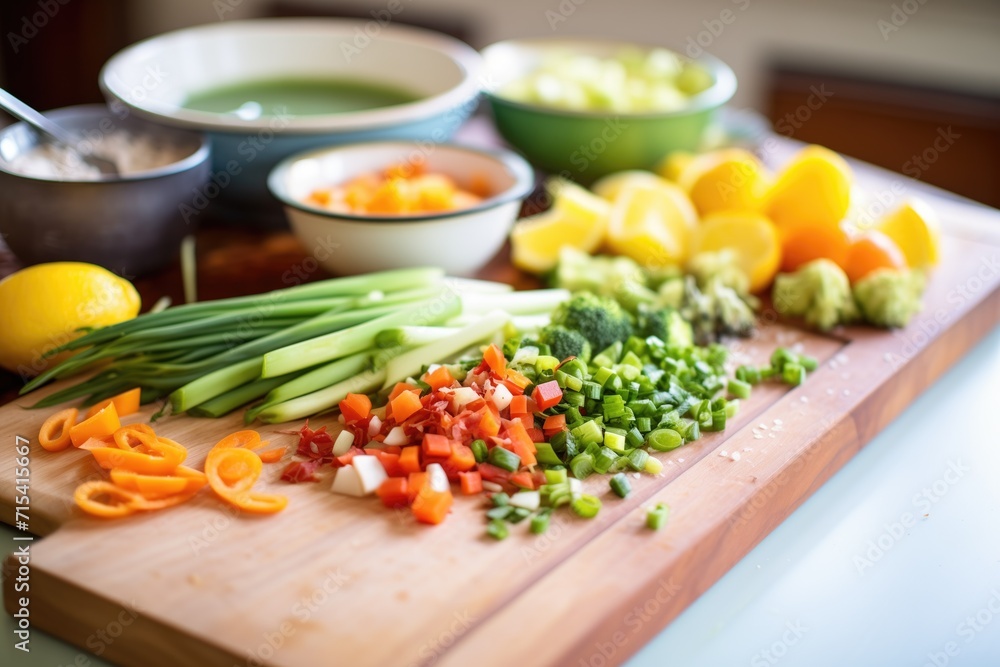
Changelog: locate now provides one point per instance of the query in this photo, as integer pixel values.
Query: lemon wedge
(730, 179)
(578, 218)
(752, 239)
(915, 229)
(652, 224)
(815, 187)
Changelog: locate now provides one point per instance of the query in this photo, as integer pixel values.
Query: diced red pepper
(431, 506)
(492, 473)
(518, 406)
(547, 395)
(462, 457)
(523, 479)
(404, 405)
(400, 388)
(489, 423)
(554, 424)
(414, 483)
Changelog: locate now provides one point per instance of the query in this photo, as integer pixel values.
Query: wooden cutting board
(336, 580)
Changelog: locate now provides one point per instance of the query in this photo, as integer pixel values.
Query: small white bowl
(460, 242)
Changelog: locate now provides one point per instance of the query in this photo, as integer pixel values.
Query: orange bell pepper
(126, 403)
(102, 424)
(54, 440)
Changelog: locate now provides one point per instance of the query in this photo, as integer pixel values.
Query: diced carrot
(536, 434)
(462, 457)
(400, 388)
(521, 443)
(404, 405)
(472, 482)
(523, 479)
(493, 356)
(101, 425)
(514, 389)
(554, 424)
(415, 482)
(390, 462)
(54, 435)
(393, 492)
(520, 381)
(547, 395)
(489, 423)
(431, 506)
(436, 445)
(409, 459)
(440, 377)
(272, 455)
(519, 405)
(355, 407)
(392, 449)
(126, 403)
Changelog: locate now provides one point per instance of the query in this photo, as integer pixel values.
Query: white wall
(947, 43)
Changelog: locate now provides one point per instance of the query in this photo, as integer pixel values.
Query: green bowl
(583, 145)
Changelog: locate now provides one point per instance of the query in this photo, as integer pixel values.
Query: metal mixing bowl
(130, 224)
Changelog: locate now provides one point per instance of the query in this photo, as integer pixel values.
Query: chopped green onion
(664, 439)
(605, 458)
(582, 465)
(499, 512)
(479, 450)
(586, 506)
(505, 459)
(620, 485)
(656, 517)
(738, 388)
(540, 522)
(497, 529)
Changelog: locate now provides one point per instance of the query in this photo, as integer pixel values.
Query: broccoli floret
(819, 292)
(617, 277)
(671, 293)
(721, 266)
(716, 309)
(565, 342)
(888, 297)
(666, 324)
(600, 319)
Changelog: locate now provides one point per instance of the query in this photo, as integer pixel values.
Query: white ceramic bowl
(460, 242)
(154, 77)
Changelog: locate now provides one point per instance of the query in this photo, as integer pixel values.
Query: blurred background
(878, 80)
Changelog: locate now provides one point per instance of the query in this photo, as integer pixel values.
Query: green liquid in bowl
(298, 97)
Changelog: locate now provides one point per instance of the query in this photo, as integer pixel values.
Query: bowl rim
(524, 183)
(716, 95)
(468, 60)
(197, 157)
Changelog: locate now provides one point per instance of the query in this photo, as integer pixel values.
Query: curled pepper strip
(162, 458)
(54, 434)
(98, 498)
(133, 437)
(232, 472)
(155, 487)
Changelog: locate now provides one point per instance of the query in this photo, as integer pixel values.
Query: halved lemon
(652, 224)
(915, 229)
(815, 187)
(751, 237)
(730, 179)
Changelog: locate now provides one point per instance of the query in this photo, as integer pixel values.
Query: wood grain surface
(337, 580)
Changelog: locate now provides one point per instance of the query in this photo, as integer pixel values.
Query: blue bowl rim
(199, 156)
(524, 183)
(716, 95)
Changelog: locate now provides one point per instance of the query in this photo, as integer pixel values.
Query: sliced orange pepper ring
(148, 504)
(54, 434)
(232, 472)
(152, 487)
(248, 439)
(134, 437)
(272, 455)
(104, 499)
(102, 424)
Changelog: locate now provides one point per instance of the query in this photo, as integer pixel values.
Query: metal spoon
(54, 133)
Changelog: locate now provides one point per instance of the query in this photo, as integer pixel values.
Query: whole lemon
(45, 305)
